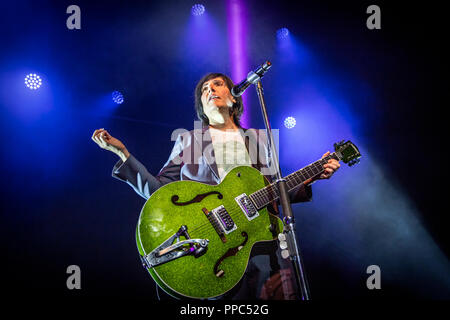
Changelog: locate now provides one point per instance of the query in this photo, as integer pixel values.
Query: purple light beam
(237, 40)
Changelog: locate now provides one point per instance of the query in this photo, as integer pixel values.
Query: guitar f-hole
(197, 198)
(231, 252)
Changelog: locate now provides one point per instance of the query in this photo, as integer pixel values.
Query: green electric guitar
(195, 239)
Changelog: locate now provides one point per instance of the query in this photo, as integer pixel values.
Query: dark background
(60, 205)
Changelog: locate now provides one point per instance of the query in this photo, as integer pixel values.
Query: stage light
(33, 81)
(198, 9)
(282, 33)
(117, 97)
(289, 122)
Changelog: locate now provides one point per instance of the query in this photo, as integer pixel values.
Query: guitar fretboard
(266, 195)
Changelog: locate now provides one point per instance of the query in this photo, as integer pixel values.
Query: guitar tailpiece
(169, 251)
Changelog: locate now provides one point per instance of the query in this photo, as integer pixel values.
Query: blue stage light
(117, 97)
(198, 9)
(282, 33)
(289, 122)
(33, 81)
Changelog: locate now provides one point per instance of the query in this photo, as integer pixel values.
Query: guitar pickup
(221, 214)
(247, 206)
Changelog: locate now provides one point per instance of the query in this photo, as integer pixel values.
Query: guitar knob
(283, 243)
(284, 254)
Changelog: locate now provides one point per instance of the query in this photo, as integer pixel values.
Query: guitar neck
(268, 194)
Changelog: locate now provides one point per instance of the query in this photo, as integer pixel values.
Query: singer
(222, 146)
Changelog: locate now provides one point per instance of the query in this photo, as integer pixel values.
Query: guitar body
(187, 203)
(195, 239)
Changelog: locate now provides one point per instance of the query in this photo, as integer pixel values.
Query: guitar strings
(203, 227)
(234, 212)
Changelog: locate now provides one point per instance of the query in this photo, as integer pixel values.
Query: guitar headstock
(347, 152)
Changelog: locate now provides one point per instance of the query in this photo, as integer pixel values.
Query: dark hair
(236, 109)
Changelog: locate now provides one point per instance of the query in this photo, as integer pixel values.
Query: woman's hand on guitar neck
(108, 142)
(330, 168)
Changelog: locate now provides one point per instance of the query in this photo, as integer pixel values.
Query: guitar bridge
(169, 251)
(221, 220)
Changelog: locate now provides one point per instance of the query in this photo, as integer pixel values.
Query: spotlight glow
(282, 33)
(237, 20)
(33, 81)
(198, 9)
(289, 122)
(117, 97)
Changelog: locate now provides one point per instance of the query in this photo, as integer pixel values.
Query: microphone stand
(288, 219)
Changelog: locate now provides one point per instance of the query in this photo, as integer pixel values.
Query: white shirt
(229, 150)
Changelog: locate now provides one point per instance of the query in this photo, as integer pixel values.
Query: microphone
(252, 77)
